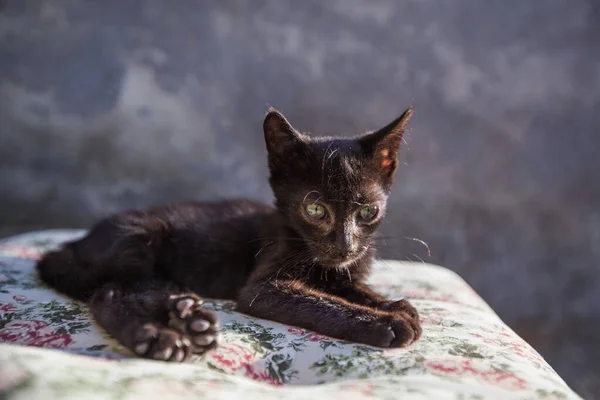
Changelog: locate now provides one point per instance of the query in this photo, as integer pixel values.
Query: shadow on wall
(111, 105)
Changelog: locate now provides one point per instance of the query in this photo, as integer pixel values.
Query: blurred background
(113, 104)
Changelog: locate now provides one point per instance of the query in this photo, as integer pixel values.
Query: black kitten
(302, 263)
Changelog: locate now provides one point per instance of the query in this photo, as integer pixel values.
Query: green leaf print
(279, 367)
(466, 350)
(362, 362)
(260, 338)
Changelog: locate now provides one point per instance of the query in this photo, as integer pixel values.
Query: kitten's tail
(59, 270)
(124, 250)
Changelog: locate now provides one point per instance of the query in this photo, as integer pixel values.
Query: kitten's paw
(405, 310)
(398, 330)
(187, 316)
(400, 305)
(159, 343)
(405, 332)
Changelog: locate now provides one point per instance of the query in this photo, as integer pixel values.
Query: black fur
(143, 271)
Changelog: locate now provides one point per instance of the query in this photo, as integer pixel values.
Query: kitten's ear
(280, 135)
(383, 145)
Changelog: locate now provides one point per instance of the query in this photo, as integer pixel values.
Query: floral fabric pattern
(51, 349)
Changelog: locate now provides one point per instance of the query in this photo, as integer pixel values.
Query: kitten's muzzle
(346, 245)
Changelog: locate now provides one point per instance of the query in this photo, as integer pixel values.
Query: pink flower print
(20, 251)
(19, 298)
(8, 307)
(55, 341)
(34, 333)
(465, 368)
(23, 331)
(261, 376)
(450, 367)
(505, 380)
(311, 336)
(315, 337)
(296, 331)
(231, 357)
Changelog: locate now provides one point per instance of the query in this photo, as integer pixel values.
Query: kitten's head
(332, 191)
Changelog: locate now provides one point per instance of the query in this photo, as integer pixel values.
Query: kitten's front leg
(356, 292)
(292, 302)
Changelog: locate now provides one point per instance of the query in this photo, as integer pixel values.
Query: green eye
(316, 211)
(368, 213)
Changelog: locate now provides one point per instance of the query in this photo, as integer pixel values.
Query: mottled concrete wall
(112, 104)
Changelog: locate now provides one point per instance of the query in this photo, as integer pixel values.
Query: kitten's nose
(345, 242)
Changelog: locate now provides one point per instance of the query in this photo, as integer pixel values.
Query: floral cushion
(466, 351)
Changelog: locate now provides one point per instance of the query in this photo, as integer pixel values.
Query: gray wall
(112, 104)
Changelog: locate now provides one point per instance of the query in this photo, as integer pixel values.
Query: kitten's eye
(316, 211)
(368, 213)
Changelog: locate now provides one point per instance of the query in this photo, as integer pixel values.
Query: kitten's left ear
(280, 135)
(383, 145)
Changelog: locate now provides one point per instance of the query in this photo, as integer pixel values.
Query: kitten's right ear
(280, 135)
(382, 146)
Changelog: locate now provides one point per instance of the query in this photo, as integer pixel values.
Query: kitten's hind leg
(155, 319)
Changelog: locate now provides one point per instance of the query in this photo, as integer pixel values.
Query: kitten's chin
(347, 262)
(340, 262)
